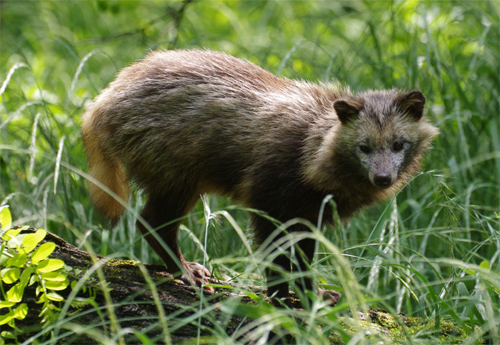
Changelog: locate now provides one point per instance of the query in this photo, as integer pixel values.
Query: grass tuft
(431, 252)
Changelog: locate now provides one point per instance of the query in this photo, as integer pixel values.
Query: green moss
(386, 328)
(125, 264)
(386, 320)
(412, 321)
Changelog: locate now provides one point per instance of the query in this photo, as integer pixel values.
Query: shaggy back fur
(184, 123)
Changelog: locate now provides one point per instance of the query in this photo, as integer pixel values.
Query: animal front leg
(276, 273)
(164, 215)
(304, 259)
(196, 274)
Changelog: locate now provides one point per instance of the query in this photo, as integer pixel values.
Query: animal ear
(412, 103)
(345, 111)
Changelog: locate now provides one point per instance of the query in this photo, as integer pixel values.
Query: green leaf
(42, 299)
(21, 311)
(485, 264)
(49, 265)
(10, 275)
(4, 304)
(55, 297)
(250, 310)
(15, 242)
(4, 259)
(43, 252)
(11, 234)
(32, 240)
(56, 285)
(26, 275)
(6, 318)
(54, 276)
(5, 218)
(18, 260)
(15, 294)
(33, 280)
(471, 272)
(8, 335)
(80, 302)
(462, 290)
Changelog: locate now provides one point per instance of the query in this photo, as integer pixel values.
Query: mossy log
(122, 296)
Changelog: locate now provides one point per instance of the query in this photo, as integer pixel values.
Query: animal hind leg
(164, 214)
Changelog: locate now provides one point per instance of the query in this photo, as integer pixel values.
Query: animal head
(383, 134)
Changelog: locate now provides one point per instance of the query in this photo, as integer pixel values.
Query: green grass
(432, 251)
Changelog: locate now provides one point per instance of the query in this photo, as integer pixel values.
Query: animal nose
(382, 180)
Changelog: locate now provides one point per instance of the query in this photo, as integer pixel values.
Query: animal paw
(198, 275)
(331, 297)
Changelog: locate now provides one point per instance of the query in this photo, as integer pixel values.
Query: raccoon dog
(183, 123)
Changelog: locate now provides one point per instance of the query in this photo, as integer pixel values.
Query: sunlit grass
(433, 251)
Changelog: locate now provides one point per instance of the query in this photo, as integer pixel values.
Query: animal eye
(397, 146)
(365, 148)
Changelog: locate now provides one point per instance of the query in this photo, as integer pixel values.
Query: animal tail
(109, 171)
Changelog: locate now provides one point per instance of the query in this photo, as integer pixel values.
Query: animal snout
(382, 180)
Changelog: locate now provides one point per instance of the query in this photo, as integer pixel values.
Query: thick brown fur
(184, 123)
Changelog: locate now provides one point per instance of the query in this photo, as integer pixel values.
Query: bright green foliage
(5, 218)
(10, 275)
(43, 252)
(27, 266)
(30, 241)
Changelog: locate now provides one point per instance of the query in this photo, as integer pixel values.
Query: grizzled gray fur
(184, 123)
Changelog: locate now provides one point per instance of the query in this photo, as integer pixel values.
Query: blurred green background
(56, 56)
